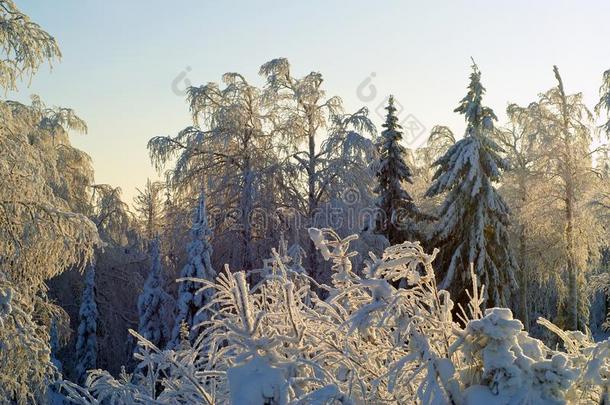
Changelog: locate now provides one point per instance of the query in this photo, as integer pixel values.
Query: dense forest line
(323, 222)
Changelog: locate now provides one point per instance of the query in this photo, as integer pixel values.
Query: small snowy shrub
(278, 342)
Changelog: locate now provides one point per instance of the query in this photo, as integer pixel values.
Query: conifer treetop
(190, 300)
(399, 211)
(477, 116)
(391, 121)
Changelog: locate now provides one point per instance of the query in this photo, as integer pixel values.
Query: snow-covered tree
(190, 303)
(54, 344)
(47, 204)
(26, 366)
(44, 229)
(603, 105)
(111, 214)
(176, 219)
(25, 44)
(42, 233)
(230, 147)
(398, 211)
(473, 218)
(524, 186)
(566, 140)
(148, 206)
(86, 343)
(121, 267)
(155, 306)
(313, 170)
(241, 135)
(601, 208)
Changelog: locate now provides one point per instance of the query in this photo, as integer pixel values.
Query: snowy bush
(279, 342)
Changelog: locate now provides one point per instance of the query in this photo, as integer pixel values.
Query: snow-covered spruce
(190, 302)
(398, 213)
(278, 342)
(473, 218)
(86, 341)
(155, 306)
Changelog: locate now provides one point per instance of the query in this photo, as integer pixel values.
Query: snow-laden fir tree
(54, 345)
(155, 304)
(86, 342)
(473, 217)
(398, 213)
(603, 106)
(199, 266)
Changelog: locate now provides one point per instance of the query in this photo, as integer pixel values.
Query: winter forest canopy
(297, 252)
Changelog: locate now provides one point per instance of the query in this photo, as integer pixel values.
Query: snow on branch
(280, 342)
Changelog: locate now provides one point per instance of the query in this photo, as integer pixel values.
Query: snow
(257, 383)
(5, 304)
(278, 342)
(482, 395)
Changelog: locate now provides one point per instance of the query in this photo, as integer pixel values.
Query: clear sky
(125, 62)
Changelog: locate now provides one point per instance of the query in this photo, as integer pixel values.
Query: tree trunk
(246, 207)
(572, 318)
(246, 228)
(311, 199)
(524, 281)
(569, 184)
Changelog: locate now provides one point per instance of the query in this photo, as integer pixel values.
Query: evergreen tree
(603, 106)
(398, 211)
(86, 343)
(198, 266)
(54, 344)
(473, 219)
(154, 304)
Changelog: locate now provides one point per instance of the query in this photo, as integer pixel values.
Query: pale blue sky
(120, 58)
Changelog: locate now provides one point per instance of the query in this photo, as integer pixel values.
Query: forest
(294, 252)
